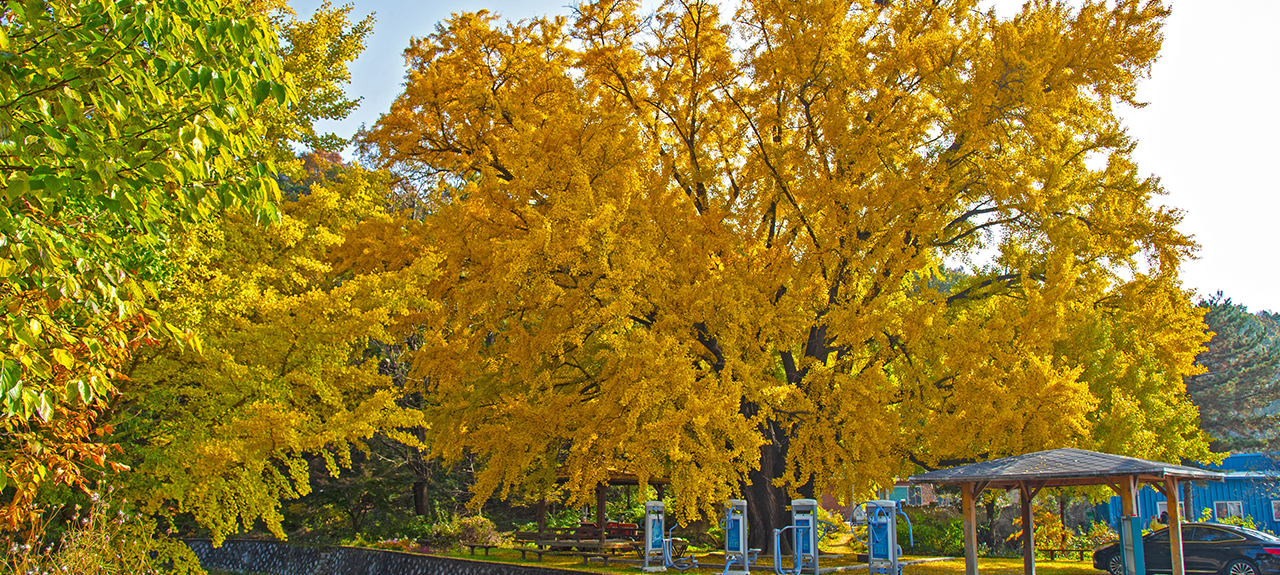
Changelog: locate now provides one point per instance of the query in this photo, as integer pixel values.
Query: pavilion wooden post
(1175, 525)
(969, 503)
(1127, 493)
(600, 517)
(1028, 530)
(1125, 489)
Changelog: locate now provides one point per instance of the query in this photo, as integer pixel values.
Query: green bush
(1099, 533)
(933, 535)
(479, 530)
(442, 535)
(936, 531)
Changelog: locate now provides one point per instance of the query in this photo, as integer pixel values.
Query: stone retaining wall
(285, 559)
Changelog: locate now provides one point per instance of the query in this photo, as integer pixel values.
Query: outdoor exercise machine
(1131, 553)
(883, 552)
(804, 539)
(737, 557)
(658, 552)
(654, 546)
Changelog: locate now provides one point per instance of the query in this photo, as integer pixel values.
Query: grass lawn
(998, 566)
(986, 566)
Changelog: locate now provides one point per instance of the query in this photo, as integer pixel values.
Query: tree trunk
(1063, 499)
(420, 497)
(1188, 506)
(766, 504)
(421, 475)
(992, 518)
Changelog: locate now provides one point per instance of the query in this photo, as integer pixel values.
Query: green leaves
(261, 90)
(122, 116)
(10, 379)
(117, 120)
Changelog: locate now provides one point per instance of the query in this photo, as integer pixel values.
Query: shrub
(1050, 533)
(944, 537)
(398, 545)
(1099, 533)
(98, 541)
(935, 533)
(441, 535)
(1246, 522)
(480, 530)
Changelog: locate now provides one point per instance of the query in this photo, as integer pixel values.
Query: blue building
(1252, 488)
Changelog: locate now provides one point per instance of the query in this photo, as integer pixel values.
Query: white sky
(1209, 131)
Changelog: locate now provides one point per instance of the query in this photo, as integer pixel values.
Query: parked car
(1206, 548)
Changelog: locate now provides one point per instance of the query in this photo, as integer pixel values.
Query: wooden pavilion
(616, 478)
(1031, 472)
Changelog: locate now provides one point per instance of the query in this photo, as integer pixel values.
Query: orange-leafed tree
(718, 249)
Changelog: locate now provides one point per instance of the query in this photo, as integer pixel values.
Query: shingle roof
(1066, 466)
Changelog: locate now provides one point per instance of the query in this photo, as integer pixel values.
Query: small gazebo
(616, 478)
(1031, 472)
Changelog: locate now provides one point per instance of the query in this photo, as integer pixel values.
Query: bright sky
(1210, 131)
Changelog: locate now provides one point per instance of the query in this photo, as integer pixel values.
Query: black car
(1206, 548)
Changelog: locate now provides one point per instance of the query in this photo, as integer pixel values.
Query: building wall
(1252, 480)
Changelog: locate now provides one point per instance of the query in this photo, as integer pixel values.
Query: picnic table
(584, 540)
(581, 533)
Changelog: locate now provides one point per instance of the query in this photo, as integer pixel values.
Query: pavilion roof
(1061, 467)
(621, 477)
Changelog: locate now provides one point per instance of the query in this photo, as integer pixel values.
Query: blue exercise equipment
(738, 558)
(883, 552)
(657, 550)
(804, 543)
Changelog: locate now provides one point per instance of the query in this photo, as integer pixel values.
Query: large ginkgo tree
(803, 248)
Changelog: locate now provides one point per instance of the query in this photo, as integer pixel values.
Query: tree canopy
(806, 247)
(120, 120)
(226, 433)
(288, 312)
(716, 248)
(1237, 392)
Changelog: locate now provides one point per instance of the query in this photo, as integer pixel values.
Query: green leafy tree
(119, 121)
(1238, 391)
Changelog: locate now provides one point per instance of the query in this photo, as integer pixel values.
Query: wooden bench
(588, 545)
(588, 555)
(524, 550)
(1053, 553)
(486, 548)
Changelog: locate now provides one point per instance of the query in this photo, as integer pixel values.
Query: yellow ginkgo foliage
(803, 248)
(225, 432)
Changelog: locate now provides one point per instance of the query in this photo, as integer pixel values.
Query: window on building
(1275, 510)
(1163, 506)
(1225, 509)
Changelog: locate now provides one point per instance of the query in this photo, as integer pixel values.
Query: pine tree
(1238, 391)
